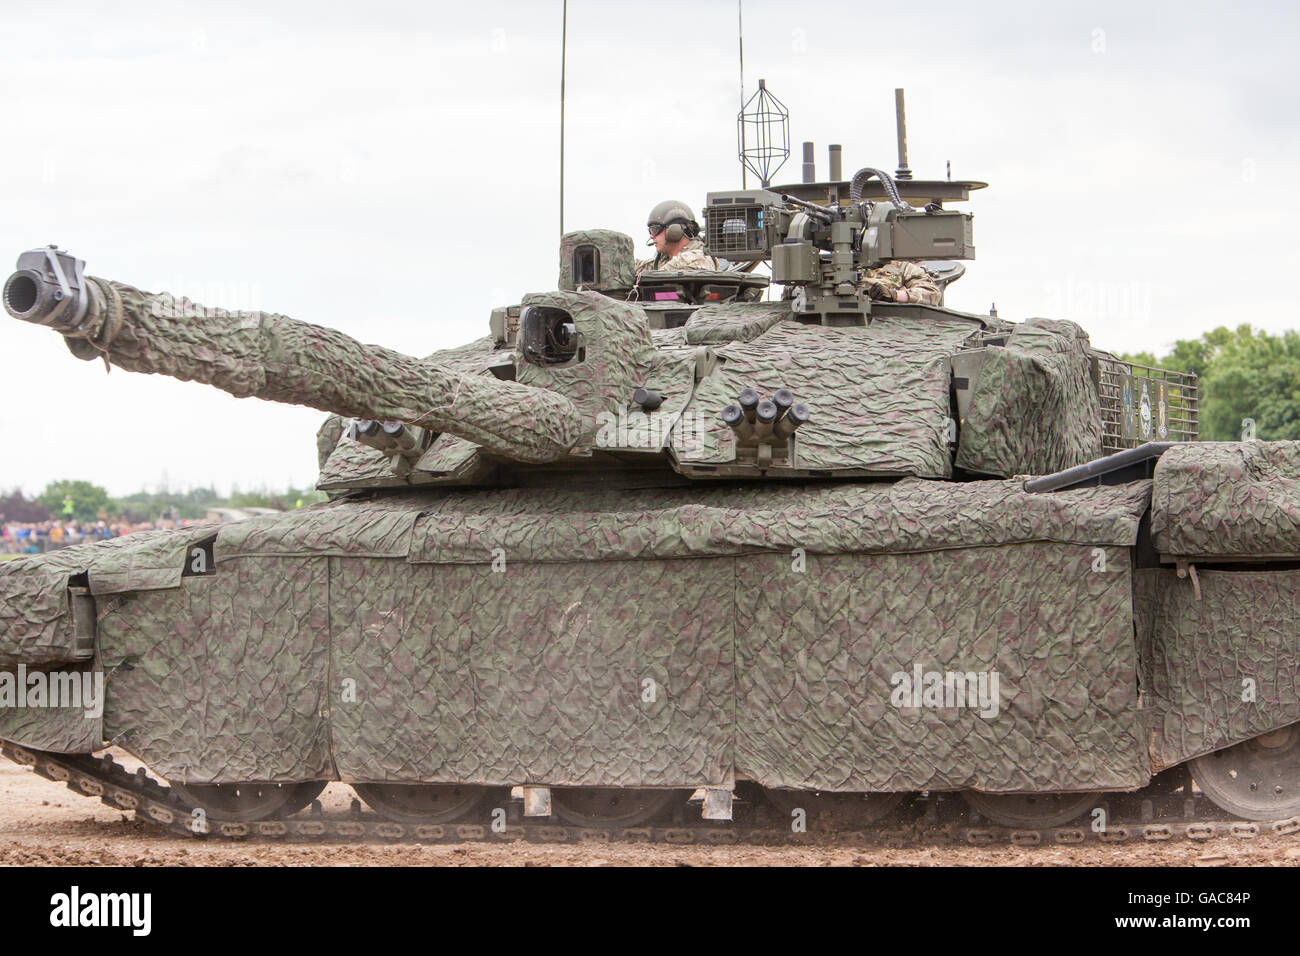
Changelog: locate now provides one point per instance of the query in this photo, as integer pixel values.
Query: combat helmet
(670, 213)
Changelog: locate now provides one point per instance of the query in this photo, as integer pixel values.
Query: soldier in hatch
(676, 237)
(901, 282)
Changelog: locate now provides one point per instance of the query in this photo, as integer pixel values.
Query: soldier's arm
(918, 284)
(882, 282)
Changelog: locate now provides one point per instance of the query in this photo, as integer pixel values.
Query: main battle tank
(658, 548)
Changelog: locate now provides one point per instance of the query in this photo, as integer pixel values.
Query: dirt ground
(44, 823)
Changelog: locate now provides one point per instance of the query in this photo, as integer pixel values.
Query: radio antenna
(564, 36)
(763, 132)
(740, 35)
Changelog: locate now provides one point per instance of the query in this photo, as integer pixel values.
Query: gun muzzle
(765, 416)
(733, 416)
(748, 402)
(795, 416)
(402, 440)
(403, 444)
(49, 288)
(392, 438)
(647, 398)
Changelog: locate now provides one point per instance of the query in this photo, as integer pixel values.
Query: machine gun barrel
(823, 213)
(281, 359)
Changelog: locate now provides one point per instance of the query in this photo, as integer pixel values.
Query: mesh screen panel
(736, 232)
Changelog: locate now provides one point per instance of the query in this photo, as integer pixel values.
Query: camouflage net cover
(1034, 409)
(616, 259)
(909, 515)
(619, 351)
(225, 678)
(345, 462)
(815, 670)
(283, 360)
(733, 322)
(35, 614)
(878, 395)
(1228, 499)
(535, 674)
(1221, 669)
(376, 639)
(70, 727)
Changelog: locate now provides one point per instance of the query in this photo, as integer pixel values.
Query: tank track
(1152, 815)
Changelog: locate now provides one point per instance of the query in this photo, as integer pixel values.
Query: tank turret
(884, 388)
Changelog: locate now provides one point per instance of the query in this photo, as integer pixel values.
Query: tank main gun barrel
(280, 359)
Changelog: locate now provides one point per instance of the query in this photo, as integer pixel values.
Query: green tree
(148, 505)
(1141, 358)
(77, 500)
(1254, 376)
(1198, 355)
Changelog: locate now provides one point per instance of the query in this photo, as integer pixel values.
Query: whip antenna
(564, 35)
(740, 35)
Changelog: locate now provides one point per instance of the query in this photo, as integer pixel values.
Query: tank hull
(865, 637)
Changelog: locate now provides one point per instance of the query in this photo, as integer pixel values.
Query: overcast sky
(390, 169)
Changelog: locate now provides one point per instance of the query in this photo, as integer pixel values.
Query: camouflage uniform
(884, 282)
(692, 256)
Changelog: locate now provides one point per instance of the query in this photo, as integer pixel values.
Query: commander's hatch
(944, 272)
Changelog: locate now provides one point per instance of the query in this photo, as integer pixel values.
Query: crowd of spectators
(38, 537)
